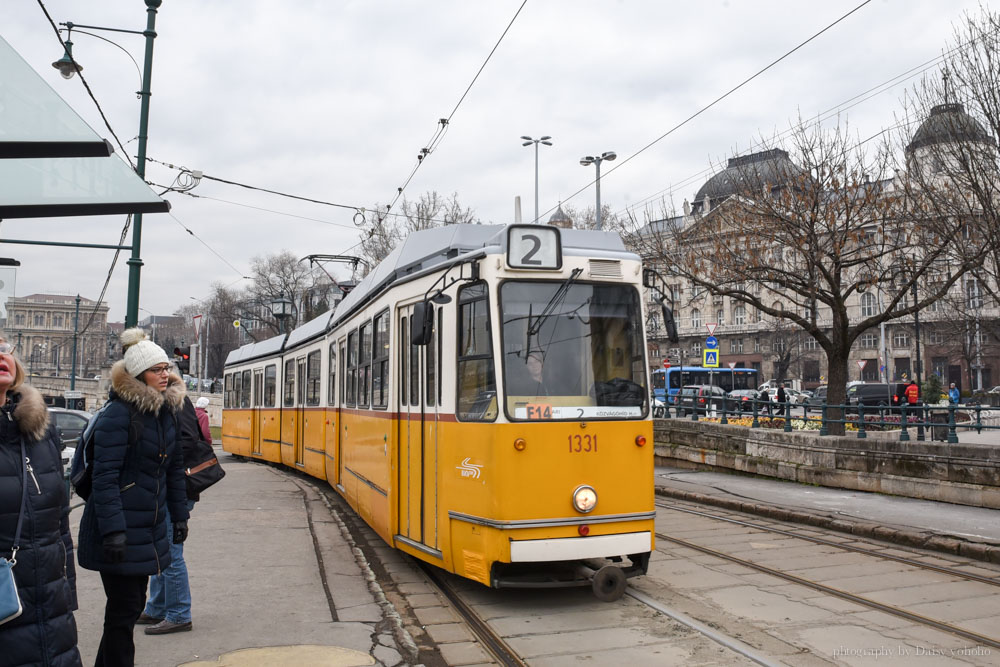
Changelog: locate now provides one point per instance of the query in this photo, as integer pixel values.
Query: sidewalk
(959, 529)
(252, 554)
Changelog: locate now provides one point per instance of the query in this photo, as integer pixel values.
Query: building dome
(948, 123)
(560, 219)
(746, 173)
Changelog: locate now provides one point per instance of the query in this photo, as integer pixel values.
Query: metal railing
(942, 422)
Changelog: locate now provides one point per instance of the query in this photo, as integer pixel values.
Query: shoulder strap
(134, 425)
(24, 501)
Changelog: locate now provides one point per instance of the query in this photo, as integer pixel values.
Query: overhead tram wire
(720, 98)
(445, 123)
(847, 104)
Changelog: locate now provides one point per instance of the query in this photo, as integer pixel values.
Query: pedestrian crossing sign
(710, 358)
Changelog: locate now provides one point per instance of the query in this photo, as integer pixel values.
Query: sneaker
(146, 619)
(165, 627)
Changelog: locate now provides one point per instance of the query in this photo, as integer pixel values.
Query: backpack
(81, 473)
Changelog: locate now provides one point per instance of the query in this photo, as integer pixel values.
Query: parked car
(704, 398)
(69, 424)
(741, 400)
(817, 400)
(876, 395)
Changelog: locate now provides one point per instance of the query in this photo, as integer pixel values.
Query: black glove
(114, 547)
(180, 531)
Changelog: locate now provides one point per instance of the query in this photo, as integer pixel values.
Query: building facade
(44, 327)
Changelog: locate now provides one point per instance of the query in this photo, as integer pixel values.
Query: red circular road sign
(666, 363)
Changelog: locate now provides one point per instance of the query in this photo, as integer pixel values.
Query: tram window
(351, 397)
(431, 368)
(414, 358)
(289, 391)
(313, 377)
(229, 391)
(270, 385)
(404, 345)
(440, 351)
(331, 386)
(476, 376)
(245, 390)
(364, 363)
(380, 361)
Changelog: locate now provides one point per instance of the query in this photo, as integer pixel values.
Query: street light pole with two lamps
(527, 142)
(67, 67)
(586, 162)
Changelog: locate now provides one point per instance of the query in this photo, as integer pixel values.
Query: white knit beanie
(140, 352)
(202, 402)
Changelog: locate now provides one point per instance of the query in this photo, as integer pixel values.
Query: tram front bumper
(577, 548)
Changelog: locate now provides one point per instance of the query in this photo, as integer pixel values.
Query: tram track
(868, 602)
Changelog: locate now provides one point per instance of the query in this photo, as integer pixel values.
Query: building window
(675, 294)
(778, 345)
(935, 338)
(974, 294)
(810, 344)
(696, 350)
(696, 319)
(900, 338)
(869, 341)
(868, 307)
(720, 317)
(939, 366)
(739, 315)
(756, 344)
(736, 345)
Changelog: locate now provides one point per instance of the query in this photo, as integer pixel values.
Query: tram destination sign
(534, 247)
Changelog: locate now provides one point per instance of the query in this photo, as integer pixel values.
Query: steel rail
(490, 640)
(846, 547)
(844, 595)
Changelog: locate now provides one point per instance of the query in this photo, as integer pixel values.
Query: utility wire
(720, 98)
(210, 248)
(444, 123)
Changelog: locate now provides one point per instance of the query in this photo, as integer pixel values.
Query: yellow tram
(480, 399)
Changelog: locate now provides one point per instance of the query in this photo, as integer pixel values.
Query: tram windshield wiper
(556, 299)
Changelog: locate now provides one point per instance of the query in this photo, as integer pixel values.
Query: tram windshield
(572, 351)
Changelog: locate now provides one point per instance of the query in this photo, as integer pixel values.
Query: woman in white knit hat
(138, 477)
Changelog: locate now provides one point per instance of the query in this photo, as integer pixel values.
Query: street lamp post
(527, 142)
(589, 160)
(68, 67)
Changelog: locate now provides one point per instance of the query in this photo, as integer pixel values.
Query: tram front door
(416, 468)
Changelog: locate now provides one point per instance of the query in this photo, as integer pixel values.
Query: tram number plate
(539, 411)
(582, 443)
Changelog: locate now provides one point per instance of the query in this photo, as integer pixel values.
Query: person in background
(912, 393)
(168, 608)
(137, 479)
(31, 472)
(201, 409)
(781, 396)
(954, 395)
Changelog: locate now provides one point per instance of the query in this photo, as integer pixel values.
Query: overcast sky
(333, 100)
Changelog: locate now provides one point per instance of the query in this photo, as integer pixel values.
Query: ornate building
(42, 328)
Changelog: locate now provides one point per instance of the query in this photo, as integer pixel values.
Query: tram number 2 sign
(534, 247)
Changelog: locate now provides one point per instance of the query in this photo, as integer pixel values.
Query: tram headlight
(584, 498)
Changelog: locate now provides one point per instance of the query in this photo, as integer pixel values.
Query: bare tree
(380, 233)
(799, 239)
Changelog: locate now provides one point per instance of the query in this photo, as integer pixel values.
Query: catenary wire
(721, 97)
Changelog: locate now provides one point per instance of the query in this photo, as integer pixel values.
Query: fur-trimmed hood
(141, 395)
(30, 413)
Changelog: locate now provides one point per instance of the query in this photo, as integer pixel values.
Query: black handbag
(204, 468)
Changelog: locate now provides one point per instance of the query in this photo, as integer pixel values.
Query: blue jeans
(169, 593)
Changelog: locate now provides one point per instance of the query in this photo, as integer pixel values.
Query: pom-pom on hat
(202, 402)
(140, 352)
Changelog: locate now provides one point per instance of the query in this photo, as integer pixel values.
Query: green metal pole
(135, 261)
(76, 327)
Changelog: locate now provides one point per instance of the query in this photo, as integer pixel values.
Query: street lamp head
(609, 155)
(587, 161)
(67, 68)
(527, 143)
(546, 143)
(528, 139)
(545, 138)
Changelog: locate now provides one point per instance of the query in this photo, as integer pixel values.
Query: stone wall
(967, 474)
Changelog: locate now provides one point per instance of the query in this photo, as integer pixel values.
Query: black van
(877, 394)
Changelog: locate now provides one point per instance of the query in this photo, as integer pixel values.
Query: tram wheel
(609, 583)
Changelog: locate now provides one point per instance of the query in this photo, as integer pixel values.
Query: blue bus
(668, 382)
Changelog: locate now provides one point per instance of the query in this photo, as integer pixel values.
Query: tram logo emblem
(469, 469)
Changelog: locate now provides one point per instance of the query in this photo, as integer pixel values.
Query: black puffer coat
(45, 632)
(134, 486)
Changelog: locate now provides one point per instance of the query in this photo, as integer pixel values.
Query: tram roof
(314, 327)
(253, 350)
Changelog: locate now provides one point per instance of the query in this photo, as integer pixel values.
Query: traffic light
(183, 358)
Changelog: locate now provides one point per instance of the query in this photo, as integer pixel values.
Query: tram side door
(300, 409)
(416, 467)
(256, 414)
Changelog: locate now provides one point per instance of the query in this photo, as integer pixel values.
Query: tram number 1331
(582, 443)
